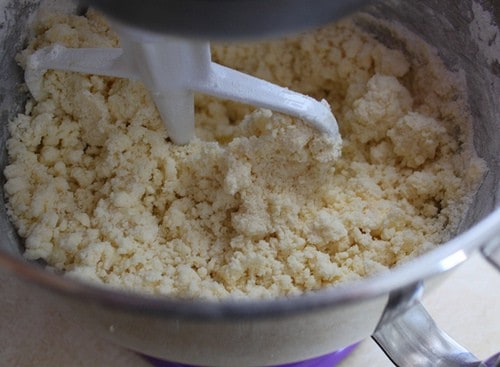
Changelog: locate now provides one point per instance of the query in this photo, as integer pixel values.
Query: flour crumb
(259, 205)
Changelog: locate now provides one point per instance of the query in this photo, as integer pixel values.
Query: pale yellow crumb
(259, 204)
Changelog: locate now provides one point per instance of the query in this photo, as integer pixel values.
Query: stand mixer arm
(226, 19)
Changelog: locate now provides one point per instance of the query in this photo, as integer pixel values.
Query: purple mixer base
(328, 360)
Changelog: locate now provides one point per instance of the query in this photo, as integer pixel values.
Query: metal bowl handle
(491, 251)
(409, 336)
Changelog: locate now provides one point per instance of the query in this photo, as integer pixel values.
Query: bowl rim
(441, 259)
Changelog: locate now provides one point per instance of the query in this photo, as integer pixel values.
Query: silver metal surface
(295, 328)
(414, 340)
(492, 252)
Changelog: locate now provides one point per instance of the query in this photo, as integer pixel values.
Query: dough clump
(259, 205)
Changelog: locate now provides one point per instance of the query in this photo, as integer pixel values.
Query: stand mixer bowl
(273, 332)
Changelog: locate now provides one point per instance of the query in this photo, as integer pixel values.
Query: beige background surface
(34, 332)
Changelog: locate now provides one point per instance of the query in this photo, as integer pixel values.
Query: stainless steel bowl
(256, 333)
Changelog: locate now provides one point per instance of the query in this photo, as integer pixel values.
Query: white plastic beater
(172, 69)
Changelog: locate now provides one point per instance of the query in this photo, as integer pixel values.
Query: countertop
(34, 331)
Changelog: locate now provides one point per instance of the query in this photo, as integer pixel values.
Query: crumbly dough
(259, 204)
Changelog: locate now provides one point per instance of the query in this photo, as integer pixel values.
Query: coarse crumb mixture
(259, 204)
